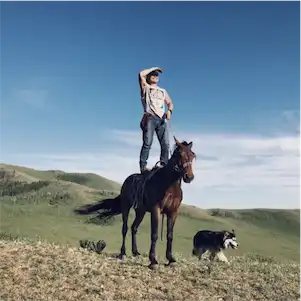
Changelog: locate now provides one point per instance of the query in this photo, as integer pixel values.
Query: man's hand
(144, 73)
(169, 104)
(158, 69)
(168, 115)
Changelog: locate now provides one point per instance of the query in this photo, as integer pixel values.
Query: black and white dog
(214, 242)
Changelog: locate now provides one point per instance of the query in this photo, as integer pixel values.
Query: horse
(156, 191)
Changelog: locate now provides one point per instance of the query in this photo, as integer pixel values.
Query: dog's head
(229, 240)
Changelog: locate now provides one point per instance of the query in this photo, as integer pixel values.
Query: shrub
(73, 177)
(18, 187)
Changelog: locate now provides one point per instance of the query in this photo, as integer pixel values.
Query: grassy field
(38, 206)
(39, 271)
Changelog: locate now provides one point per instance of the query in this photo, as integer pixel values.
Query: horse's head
(184, 157)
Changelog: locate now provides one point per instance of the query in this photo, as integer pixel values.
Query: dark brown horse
(157, 191)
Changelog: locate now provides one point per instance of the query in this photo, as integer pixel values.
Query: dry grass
(39, 271)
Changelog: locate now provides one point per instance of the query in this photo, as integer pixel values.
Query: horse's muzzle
(187, 178)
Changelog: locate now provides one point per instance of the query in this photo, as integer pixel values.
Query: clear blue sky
(69, 71)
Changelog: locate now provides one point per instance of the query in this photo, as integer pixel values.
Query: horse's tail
(109, 207)
(162, 225)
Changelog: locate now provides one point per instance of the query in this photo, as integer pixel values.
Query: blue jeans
(154, 124)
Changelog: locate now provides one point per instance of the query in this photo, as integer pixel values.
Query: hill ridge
(62, 175)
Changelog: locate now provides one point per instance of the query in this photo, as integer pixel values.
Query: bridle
(182, 167)
(187, 164)
(176, 166)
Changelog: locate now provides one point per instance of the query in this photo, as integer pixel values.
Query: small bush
(7, 236)
(19, 187)
(6, 175)
(73, 177)
(260, 258)
(222, 213)
(102, 222)
(59, 198)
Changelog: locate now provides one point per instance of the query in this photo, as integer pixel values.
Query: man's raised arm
(143, 74)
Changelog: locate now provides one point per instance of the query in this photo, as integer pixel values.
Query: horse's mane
(175, 146)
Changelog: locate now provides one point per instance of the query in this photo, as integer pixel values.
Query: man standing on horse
(153, 100)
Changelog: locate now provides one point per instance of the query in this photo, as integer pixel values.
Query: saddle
(148, 173)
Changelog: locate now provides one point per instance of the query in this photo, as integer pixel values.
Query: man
(153, 100)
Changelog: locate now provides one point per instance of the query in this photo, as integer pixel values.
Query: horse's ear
(178, 143)
(233, 231)
(190, 145)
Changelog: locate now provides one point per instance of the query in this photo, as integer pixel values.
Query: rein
(181, 169)
(187, 164)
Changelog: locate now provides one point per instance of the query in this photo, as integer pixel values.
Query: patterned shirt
(153, 100)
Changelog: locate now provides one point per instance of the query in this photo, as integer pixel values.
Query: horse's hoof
(121, 256)
(171, 263)
(136, 253)
(152, 266)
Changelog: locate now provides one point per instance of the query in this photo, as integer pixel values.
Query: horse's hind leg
(125, 217)
(140, 213)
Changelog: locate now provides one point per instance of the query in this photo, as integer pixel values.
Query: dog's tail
(109, 207)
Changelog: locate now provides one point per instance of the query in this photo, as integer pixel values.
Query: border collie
(214, 242)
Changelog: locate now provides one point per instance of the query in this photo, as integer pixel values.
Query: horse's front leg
(140, 213)
(155, 213)
(125, 217)
(171, 219)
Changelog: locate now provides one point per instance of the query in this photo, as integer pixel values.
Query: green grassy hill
(44, 210)
(88, 179)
